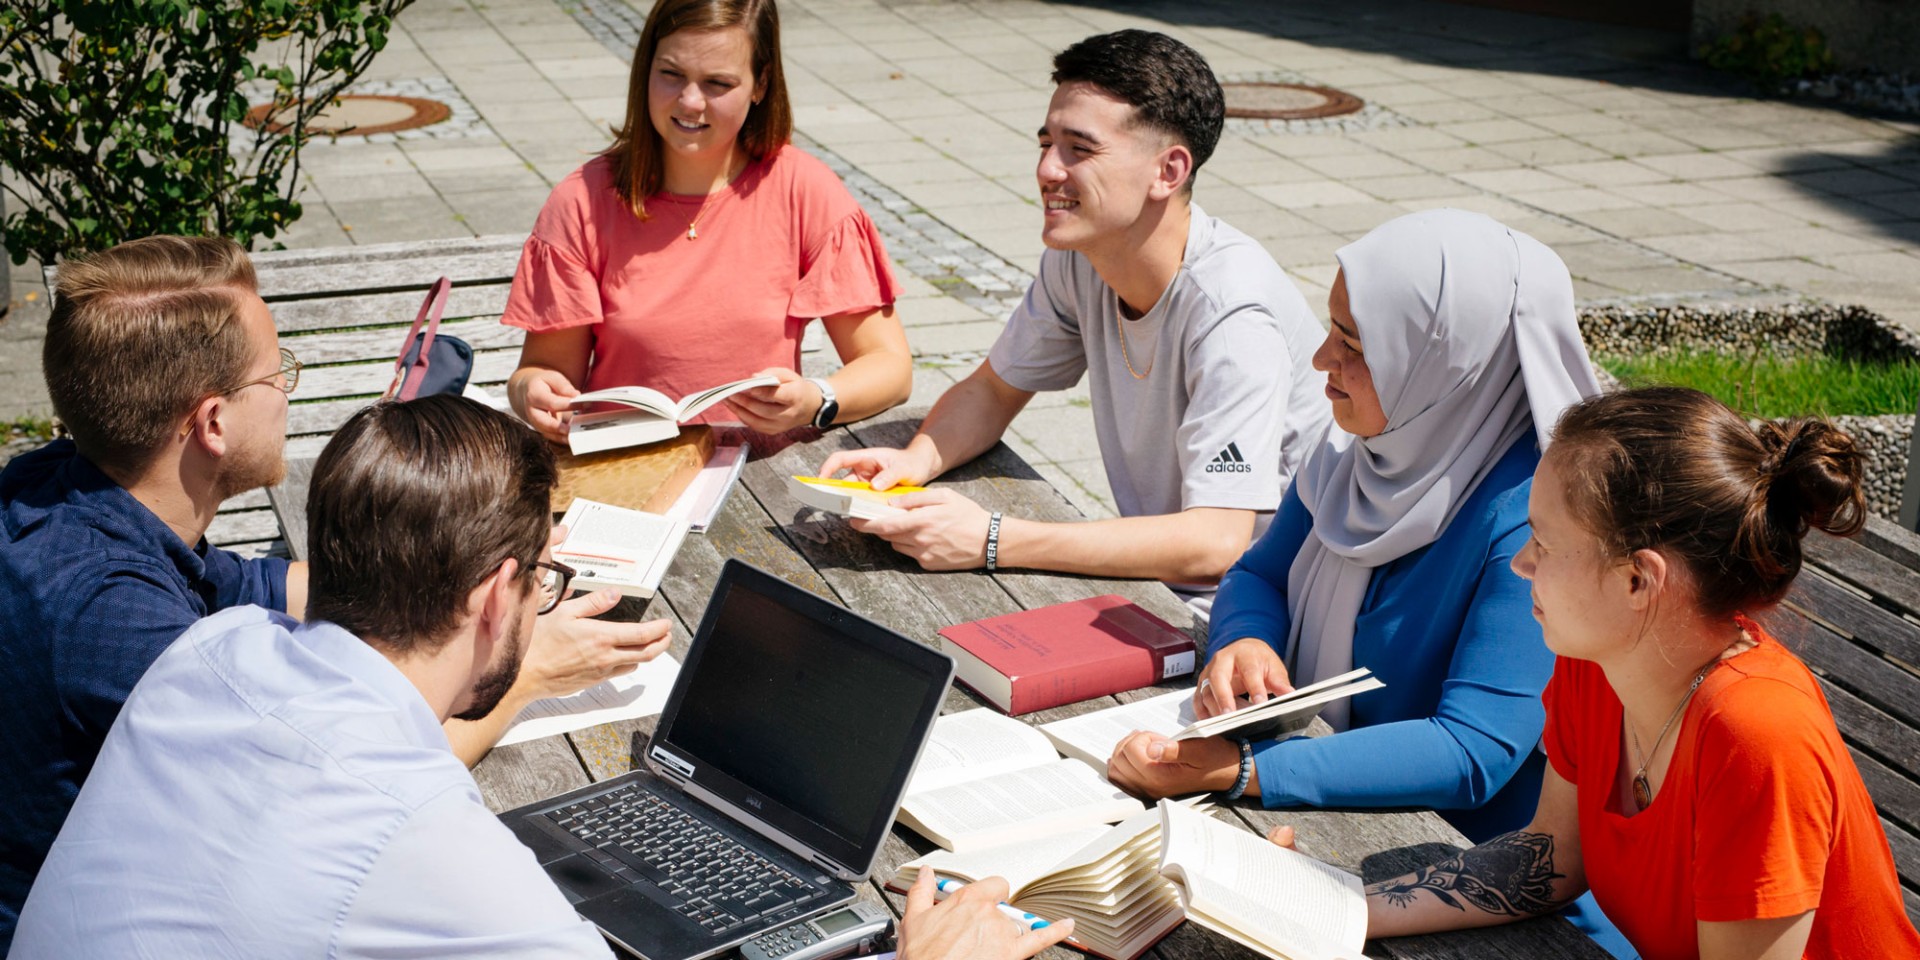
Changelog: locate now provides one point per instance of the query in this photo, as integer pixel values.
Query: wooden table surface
(762, 525)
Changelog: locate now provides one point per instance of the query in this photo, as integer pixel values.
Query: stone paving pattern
(1652, 177)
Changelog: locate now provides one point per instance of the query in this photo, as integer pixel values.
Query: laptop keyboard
(635, 834)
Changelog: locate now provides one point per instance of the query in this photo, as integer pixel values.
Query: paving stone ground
(1651, 176)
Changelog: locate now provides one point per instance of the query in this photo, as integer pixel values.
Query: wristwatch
(829, 407)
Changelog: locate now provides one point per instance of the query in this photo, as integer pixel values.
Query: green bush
(1770, 51)
(1771, 386)
(123, 118)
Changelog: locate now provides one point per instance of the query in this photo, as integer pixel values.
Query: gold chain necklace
(693, 223)
(1121, 325)
(1642, 788)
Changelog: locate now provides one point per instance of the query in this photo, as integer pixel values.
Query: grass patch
(1772, 386)
(37, 428)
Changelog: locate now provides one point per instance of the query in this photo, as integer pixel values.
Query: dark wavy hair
(1674, 469)
(1167, 82)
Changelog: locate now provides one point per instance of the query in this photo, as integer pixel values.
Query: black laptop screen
(806, 705)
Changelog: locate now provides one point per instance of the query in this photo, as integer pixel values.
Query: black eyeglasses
(553, 583)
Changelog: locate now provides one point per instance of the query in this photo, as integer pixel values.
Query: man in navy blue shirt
(163, 363)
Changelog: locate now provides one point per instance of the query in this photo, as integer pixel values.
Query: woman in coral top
(695, 250)
(1697, 783)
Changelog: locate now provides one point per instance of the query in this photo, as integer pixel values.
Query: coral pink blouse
(783, 244)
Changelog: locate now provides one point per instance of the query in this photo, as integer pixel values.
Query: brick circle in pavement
(358, 115)
(1287, 101)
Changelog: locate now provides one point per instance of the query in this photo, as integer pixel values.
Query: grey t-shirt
(1210, 400)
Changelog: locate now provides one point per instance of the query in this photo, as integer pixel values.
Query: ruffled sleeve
(555, 285)
(847, 272)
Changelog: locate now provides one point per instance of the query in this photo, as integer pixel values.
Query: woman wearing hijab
(1452, 351)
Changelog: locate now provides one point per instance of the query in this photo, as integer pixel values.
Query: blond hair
(139, 333)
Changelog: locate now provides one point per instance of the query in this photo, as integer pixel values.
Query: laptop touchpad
(581, 878)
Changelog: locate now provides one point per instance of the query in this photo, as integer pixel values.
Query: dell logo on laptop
(753, 801)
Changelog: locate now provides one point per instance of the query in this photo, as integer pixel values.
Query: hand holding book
(1246, 668)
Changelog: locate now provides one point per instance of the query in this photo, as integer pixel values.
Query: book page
(640, 398)
(615, 544)
(641, 693)
(700, 503)
(1295, 710)
(1016, 806)
(1091, 737)
(974, 744)
(1286, 902)
(694, 404)
(1019, 863)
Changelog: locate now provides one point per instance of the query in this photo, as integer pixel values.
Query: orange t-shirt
(1762, 813)
(782, 244)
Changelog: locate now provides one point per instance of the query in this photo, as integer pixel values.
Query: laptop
(771, 782)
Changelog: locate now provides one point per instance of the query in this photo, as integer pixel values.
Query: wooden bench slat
(1877, 629)
(243, 526)
(1896, 797)
(371, 379)
(271, 261)
(1855, 563)
(395, 273)
(1870, 729)
(1873, 679)
(1906, 850)
(381, 345)
(1892, 541)
(327, 314)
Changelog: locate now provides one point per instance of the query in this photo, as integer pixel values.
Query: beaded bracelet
(1246, 771)
(993, 541)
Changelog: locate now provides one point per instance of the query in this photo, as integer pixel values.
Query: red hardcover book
(1066, 653)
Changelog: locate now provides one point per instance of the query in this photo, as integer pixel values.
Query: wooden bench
(1854, 617)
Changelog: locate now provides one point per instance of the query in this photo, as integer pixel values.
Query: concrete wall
(1863, 34)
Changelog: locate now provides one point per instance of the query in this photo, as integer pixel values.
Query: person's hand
(1246, 667)
(1149, 765)
(1281, 836)
(543, 398)
(941, 529)
(570, 651)
(777, 409)
(883, 468)
(968, 925)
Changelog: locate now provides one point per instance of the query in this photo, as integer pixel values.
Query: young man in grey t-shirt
(1197, 346)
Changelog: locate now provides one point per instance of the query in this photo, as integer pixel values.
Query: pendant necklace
(693, 223)
(1642, 789)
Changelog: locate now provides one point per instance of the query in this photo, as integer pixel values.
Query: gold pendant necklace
(1121, 325)
(1642, 788)
(693, 223)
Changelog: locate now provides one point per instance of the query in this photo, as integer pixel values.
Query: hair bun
(1812, 475)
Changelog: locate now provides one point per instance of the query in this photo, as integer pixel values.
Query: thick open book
(1106, 878)
(986, 780)
(649, 416)
(1263, 897)
(615, 547)
(1091, 736)
(848, 498)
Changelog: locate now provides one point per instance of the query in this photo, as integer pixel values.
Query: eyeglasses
(553, 583)
(289, 369)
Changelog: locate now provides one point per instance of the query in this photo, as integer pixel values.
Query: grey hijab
(1468, 328)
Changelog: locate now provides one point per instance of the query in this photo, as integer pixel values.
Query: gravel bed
(1792, 328)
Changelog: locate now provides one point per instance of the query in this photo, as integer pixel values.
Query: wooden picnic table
(762, 525)
(344, 313)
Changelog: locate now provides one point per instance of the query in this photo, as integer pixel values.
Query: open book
(1263, 897)
(610, 546)
(1106, 878)
(848, 498)
(1091, 736)
(987, 780)
(650, 415)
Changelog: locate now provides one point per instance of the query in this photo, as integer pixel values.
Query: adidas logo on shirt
(1229, 460)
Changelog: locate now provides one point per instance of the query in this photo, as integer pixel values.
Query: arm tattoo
(1510, 876)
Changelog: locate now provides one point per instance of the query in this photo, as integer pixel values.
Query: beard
(252, 468)
(492, 686)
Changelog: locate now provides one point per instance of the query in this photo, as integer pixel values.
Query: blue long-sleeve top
(1449, 629)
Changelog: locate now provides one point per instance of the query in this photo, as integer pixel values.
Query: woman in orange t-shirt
(1697, 783)
(695, 250)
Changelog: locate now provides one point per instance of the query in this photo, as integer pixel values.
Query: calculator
(859, 927)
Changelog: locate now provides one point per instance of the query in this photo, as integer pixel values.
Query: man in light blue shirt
(278, 789)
